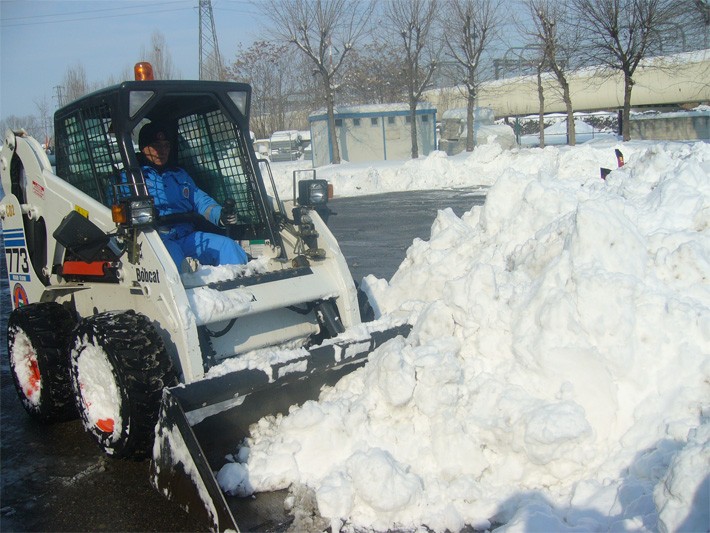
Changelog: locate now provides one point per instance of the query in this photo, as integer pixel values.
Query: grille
(213, 151)
(89, 157)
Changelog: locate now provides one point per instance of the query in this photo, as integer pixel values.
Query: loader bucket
(203, 422)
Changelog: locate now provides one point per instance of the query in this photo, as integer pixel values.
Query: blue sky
(41, 39)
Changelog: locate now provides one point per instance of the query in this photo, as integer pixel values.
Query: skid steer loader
(156, 362)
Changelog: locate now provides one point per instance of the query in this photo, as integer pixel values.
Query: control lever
(229, 217)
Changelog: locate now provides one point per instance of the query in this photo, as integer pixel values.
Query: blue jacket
(174, 191)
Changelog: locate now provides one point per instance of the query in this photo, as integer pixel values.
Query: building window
(338, 122)
(390, 120)
(425, 118)
(374, 121)
(356, 122)
(408, 119)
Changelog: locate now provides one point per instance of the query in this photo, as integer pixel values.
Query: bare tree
(541, 100)
(375, 75)
(468, 28)
(308, 83)
(45, 120)
(411, 22)
(75, 84)
(269, 68)
(703, 9)
(126, 74)
(696, 22)
(621, 33)
(159, 57)
(28, 123)
(327, 32)
(558, 40)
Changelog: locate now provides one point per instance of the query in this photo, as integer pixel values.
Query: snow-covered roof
(699, 111)
(373, 109)
(286, 135)
(481, 114)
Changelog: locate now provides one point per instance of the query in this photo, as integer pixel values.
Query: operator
(174, 191)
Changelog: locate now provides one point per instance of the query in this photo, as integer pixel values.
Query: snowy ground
(556, 134)
(557, 377)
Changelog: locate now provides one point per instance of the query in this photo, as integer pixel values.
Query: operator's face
(158, 151)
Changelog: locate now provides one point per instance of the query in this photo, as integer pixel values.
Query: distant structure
(210, 58)
(375, 132)
(676, 79)
(60, 95)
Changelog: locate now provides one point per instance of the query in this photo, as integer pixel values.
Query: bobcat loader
(156, 362)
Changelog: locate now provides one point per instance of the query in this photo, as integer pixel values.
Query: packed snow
(24, 362)
(557, 377)
(99, 391)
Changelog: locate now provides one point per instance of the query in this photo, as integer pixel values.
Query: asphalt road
(54, 478)
(375, 231)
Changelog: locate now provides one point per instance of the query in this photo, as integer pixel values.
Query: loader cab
(96, 145)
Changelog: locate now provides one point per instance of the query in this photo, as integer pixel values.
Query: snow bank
(557, 375)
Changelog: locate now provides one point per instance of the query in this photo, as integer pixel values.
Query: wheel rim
(26, 367)
(100, 395)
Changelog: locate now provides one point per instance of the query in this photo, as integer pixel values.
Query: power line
(99, 17)
(245, 10)
(123, 9)
(243, 7)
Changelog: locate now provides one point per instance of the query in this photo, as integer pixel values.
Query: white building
(372, 133)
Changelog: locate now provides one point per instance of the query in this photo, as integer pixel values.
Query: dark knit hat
(153, 131)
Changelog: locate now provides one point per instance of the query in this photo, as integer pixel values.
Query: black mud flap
(203, 422)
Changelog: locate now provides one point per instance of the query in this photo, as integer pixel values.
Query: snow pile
(557, 376)
(437, 170)
(560, 128)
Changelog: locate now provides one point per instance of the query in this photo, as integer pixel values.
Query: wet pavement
(374, 232)
(54, 478)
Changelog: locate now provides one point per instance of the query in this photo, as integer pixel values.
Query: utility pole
(210, 58)
(60, 95)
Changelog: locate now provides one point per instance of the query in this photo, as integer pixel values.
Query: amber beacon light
(143, 71)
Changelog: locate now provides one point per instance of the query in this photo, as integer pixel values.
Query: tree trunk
(332, 132)
(625, 130)
(541, 113)
(470, 107)
(413, 128)
(571, 134)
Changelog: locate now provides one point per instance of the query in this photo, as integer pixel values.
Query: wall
(373, 133)
(693, 125)
(659, 81)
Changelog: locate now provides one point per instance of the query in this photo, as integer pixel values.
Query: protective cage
(89, 157)
(98, 134)
(212, 150)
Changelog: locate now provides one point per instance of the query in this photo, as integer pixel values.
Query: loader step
(278, 275)
(257, 294)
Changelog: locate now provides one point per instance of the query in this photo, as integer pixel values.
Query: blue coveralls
(174, 191)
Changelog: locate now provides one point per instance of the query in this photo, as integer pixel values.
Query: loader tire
(37, 346)
(119, 368)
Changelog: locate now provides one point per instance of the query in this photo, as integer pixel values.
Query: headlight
(141, 212)
(312, 193)
(137, 211)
